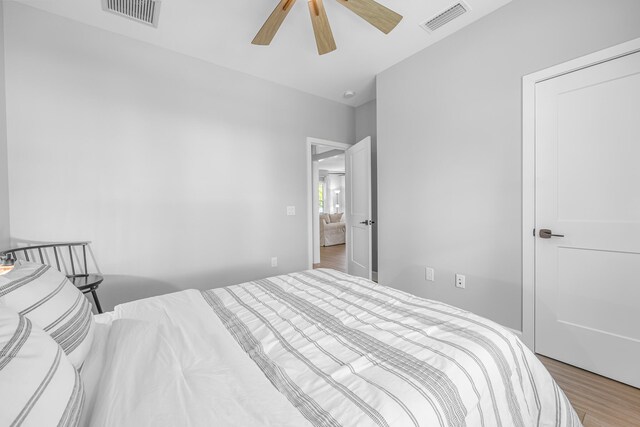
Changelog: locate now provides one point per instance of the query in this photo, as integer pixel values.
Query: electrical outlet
(274, 261)
(291, 210)
(430, 274)
(460, 281)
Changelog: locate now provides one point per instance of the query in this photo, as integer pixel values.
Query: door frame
(315, 141)
(529, 170)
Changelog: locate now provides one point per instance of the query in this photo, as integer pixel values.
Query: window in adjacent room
(321, 196)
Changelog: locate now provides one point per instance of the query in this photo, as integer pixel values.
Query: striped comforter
(347, 352)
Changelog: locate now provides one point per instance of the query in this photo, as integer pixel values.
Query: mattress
(314, 348)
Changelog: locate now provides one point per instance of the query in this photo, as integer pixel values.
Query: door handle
(545, 233)
(367, 222)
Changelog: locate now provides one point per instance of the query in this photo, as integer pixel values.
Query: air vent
(445, 17)
(144, 11)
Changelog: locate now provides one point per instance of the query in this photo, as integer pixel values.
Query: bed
(313, 348)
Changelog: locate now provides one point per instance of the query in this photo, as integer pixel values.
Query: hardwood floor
(333, 257)
(598, 401)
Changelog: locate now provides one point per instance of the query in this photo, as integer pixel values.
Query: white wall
(4, 172)
(449, 147)
(179, 171)
(366, 125)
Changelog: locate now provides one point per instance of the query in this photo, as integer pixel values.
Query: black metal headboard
(69, 258)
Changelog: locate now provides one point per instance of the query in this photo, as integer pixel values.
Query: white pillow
(52, 302)
(38, 384)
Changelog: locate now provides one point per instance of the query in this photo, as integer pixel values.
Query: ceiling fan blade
(272, 24)
(321, 27)
(374, 13)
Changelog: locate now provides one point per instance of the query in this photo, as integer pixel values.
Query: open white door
(587, 256)
(358, 208)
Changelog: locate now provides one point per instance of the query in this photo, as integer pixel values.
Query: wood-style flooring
(599, 401)
(333, 257)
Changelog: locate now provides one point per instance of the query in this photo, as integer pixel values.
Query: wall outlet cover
(460, 281)
(291, 210)
(430, 274)
(274, 261)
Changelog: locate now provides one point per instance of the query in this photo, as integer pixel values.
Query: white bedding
(182, 368)
(315, 348)
(94, 364)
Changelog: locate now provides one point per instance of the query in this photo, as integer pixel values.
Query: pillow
(336, 217)
(38, 384)
(45, 296)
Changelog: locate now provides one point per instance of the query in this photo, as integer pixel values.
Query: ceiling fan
(374, 13)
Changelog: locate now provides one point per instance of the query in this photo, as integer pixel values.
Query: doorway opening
(349, 203)
(328, 207)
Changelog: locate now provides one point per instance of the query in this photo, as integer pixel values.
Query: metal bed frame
(62, 254)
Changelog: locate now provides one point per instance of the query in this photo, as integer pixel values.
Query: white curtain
(334, 200)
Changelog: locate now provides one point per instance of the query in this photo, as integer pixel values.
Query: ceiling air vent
(144, 11)
(445, 17)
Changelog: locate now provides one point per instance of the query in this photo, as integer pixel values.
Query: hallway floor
(333, 257)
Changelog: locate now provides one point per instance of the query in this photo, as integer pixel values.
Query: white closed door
(587, 281)
(358, 208)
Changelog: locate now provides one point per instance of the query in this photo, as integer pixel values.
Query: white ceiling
(220, 32)
(332, 164)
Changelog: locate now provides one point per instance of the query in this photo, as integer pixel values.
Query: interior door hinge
(534, 232)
